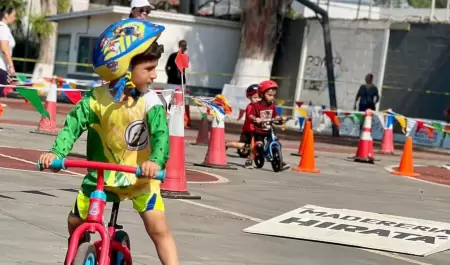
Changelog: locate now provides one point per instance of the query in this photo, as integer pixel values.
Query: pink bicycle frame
(94, 220)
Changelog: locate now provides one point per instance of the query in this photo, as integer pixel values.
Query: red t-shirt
(265, 113)
(248, 123)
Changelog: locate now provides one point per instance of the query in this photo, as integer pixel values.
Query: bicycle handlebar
(64, 164)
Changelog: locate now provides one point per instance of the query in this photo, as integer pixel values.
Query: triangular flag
(447, 128)
(333, 117)
(299, 104)
(73, 96)
(302, 112)
(410, 123)
(437, 126)
(360, 117)
(301, 120)
(279, 110)
(204, 116)
(21, 78)
(280, 102)
(402, 121)
(420, 126)
(380, 117)
(182, 61)
(32, 96)
(430, 132)
(10, 88)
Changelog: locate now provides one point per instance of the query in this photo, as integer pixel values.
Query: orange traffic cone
(175, 184)
(406, 167)
(48, 126)
(364, 153)
(216, 156)
(306, 130)
(307, 161)
(387, 142)
(203, 132)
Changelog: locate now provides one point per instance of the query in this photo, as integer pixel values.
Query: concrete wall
(358, 48)
(418, 61)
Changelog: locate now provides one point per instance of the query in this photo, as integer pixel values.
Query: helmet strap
(124, 82)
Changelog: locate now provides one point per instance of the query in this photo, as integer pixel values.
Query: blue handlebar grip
(138, 171)
(160, 176)
(58, 164)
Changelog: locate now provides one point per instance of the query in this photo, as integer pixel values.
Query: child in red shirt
(263, 111)
(248, 127)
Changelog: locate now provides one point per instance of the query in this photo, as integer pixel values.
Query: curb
(390, 170)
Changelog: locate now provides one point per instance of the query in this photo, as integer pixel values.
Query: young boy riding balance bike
(264, 111)
(248, 127)
(126, 124)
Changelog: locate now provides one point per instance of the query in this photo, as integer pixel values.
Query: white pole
(447, 9)
(391, 7)
(433, 4)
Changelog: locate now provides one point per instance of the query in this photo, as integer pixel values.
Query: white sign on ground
(361, 229)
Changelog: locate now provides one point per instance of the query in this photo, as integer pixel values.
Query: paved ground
(34, 206)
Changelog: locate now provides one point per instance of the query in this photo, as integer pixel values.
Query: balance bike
(271, 150)
(114, 246)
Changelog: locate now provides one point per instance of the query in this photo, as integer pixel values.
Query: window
(85, 48)
(62, 54)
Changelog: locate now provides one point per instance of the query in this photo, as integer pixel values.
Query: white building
(213, 44)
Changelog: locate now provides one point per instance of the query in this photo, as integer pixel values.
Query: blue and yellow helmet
(118, 44)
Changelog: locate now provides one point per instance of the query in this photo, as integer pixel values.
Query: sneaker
(248, 164)
(285, 166)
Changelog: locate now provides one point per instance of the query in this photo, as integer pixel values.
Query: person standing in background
(174, 77)
(7, 43)
(367, 95)
(173, 74)
(141, 9)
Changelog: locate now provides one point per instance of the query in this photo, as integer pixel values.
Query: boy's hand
(258, 120)
(149, 169)
(46, 160)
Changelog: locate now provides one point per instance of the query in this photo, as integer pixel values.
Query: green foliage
(427, 3)
(41, 27)
(44, 28)
(63, 6)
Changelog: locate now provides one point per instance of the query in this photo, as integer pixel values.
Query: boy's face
(270, 94)
(254, 98)
(143, 74)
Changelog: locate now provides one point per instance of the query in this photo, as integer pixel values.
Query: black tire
(259, 161)
(85, 255)
(277, 159)
(123, 238)
(243, 153)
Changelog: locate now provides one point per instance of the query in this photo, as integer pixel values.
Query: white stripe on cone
(52, 93)
(218, 124)
(176, 116)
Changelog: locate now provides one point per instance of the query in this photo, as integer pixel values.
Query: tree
(427, 3)
(47, 32)
(262, 22)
